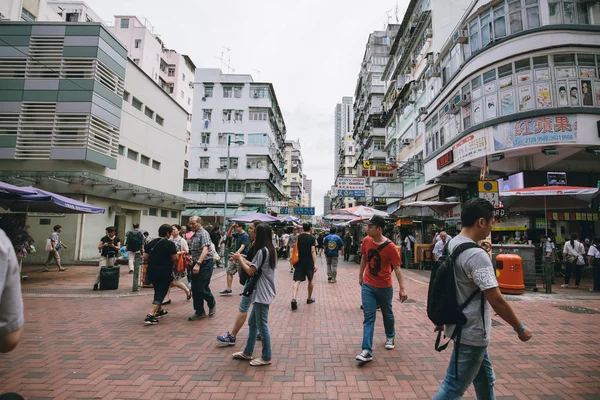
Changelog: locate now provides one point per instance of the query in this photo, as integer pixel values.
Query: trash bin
(509, 271)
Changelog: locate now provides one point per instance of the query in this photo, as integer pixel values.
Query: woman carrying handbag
(573, 256)
(261, 290)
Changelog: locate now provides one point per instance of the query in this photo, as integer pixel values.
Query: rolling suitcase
(109, 274)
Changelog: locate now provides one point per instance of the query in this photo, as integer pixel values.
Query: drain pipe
(81, 233)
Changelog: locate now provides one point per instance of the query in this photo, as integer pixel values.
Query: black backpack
(442, 303)
(135, 240)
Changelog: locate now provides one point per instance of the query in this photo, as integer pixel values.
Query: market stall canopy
(424, 208)
(548, 198)
(364, 211)
(7, 188)
(48, 202)
(290, 218)
(255, 216)
(211, 212)
(339, 217)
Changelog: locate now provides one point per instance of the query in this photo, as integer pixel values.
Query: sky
(310, 50)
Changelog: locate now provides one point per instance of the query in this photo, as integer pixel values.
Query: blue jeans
(258, 322)
(371, 297)
(474, 365)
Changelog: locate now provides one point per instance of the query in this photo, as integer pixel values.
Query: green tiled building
(61, 88)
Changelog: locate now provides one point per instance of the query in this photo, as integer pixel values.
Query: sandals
(257, 362)
(240, 355)
(564, 286)
(188, 296)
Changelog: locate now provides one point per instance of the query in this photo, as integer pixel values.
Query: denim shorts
(245, 302)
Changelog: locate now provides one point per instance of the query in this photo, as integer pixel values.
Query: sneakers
(226, 292)
(310, 301)
(329, 278)
(95, 286)
(196, 317)
(212, 310)
(365, 356)
(389, 343)
(131, 271)
(227, 339)
(333, 280)
(291, 270)
(166, 303)
(151, 320)
(161, 313)
(294, 305)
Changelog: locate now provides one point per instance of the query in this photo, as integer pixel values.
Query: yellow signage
(367, 164)
(488, 187)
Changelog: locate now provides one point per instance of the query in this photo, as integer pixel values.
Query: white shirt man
(440, 244)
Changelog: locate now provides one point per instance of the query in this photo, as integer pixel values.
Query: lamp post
(240, 142)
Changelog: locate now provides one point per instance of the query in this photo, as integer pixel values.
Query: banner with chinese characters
(572, 216)
(535, 131)
(471, 146)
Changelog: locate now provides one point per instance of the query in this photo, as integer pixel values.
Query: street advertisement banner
(535, 131)
(471, 146)
(350, 187)
(388, 189)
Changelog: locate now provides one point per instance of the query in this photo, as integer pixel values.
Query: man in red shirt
(380, 258)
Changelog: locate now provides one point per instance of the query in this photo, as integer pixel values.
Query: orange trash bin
(509, 271)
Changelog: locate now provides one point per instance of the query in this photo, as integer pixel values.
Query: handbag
(253, 280)
(295, 257)
(48, 245)
(188, 260)
(180, 267)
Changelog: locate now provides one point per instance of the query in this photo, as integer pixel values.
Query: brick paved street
(93, 345)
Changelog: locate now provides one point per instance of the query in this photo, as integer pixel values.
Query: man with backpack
(380, 258)
(134, 241)
(333, 245)
(462, 288)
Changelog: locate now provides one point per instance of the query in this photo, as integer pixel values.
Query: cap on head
(377, 220)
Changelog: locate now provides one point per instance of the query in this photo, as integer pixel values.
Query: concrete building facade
(293, 181)
(74, 11)
(27, 10)
(87, 132)
(233, 108)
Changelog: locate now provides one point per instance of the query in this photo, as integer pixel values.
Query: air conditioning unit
(256, 95)
(422, 110)
(464, 100)
(191, 85)
(204, 99)
(453, 109)
(406, 142)
(221, 168)
(460, 36)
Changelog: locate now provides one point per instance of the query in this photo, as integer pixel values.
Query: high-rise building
(293, 183)
(344, 120)
(237, 115)
(307, 192)
(72, 124)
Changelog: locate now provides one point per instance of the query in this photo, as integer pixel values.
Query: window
(189, 101)
(258, 116)
(205, 138)
(236, 187)
(233, 162)
(126, 96)
(138, 43)
(485, 22)
(223, 162)
(164, 213)
(259, 93)
(227, 115)
(564, 60)
(239, 137)
(132, 155)
(156, 165)
(515, 16)
(182, 94)
(227, 91)
(136, 61)
(149, 113)
(489, 76)
(378, 144)
(171, 71)
(183, 77)
(206, 114)
(153, 211)
(499, 22)
(145, 160)
(238, 115)
(26, 15)
(124, 23)
(532, 11)
(160, 120)
(505, 70)
(474, 36)
(540, 62)
(208, 91)
(204, 162)
(173, 214)
(237, 92)
(121, 150)
(523, 65)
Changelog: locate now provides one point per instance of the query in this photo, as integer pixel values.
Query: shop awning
(39, 200)
(432, 194)
(549, 197)
(213, 211)
(256, 216)
(424, 208)
(7, 188)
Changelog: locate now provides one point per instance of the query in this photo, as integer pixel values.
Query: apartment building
(73, 11)
(241, 118)
(27, 10)
(293, 181)
(87, 132)
(307, 192)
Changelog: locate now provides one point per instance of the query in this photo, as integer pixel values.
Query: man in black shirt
(108, 247)
(307, 264)
(161, 255)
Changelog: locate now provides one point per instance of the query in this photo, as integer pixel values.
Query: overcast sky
(310, 50)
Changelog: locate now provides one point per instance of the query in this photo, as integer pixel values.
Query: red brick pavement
(86, 347)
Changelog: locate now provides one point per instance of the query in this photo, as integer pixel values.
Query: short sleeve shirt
(199, 241)
(438, 249)
(473, 270)
(380, 264)
(11, 300)
(593, 251)
(305, 244)
(241, 239)
(160, 262)
(55, 237)
(333, 244)
(265, 287)
(109, 249)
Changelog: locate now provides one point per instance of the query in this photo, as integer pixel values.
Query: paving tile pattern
(89, 348)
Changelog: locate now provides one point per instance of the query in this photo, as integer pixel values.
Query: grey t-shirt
(264, 293)
(11, 301)
(473, 269)
(55, 238)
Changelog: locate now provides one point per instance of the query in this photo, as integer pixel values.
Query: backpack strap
(383, 245)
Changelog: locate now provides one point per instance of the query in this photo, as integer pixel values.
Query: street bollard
(548, 270)
(136, 271)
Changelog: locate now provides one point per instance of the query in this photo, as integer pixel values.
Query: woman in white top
(573, 253)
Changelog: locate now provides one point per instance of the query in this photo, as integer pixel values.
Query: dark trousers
(346, 253)
(596, 266)
(573, 267)
(201, 287)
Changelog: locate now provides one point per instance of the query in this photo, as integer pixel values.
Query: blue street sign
(351, 193)
(283, 210)
(304, 211)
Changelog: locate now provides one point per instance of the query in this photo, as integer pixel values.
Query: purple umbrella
(7, 188)
(256, 216)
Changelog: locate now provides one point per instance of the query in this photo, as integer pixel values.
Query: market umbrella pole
(546, 216)
(548, 265)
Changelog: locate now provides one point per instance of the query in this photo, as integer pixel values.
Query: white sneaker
(389, 343)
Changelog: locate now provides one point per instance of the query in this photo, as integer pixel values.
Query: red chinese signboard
(445, 160)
